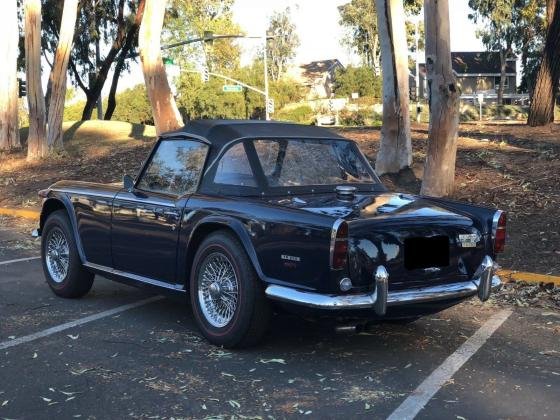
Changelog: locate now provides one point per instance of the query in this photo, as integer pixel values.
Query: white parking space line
(77, 322)
(427, 389)
(18, 260)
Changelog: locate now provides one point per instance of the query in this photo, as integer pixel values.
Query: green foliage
(302, 114)
(191, 19)
(357, 79)
(513, 26)
(132, 106)
(359, 18)
(197, 99)
(281, 48)
(359, 118)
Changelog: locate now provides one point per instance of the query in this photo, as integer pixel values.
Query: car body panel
(150, 238)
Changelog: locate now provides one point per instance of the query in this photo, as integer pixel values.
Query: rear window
(292, 162)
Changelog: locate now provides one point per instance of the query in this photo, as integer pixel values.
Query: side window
(234, 169)
(175, 167)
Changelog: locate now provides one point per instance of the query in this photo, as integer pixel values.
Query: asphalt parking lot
(120, 352)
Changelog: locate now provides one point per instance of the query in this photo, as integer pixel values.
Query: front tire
(64, 272)
(227, 297)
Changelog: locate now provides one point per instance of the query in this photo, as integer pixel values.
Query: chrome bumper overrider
(484, 283)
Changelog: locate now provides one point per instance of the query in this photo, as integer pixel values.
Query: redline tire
(248, 322)
(75, 281)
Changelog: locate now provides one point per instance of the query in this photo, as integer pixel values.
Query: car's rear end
(397, 255)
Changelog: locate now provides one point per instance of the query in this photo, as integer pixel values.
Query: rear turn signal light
(499, 231)
(339, 245)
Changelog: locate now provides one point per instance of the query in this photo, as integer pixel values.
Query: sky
(318, 30)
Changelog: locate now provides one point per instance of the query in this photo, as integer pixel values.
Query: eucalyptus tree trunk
(58, 75)
(37, 137)
(541, 111)
(164, 108)
(395, 150)
(439, 168)
(9, 129)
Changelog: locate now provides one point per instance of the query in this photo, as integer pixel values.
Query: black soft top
(221, 132)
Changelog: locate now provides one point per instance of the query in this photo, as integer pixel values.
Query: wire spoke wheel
(218, 289)
(57, 255)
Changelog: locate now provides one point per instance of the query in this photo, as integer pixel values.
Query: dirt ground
(512, 167)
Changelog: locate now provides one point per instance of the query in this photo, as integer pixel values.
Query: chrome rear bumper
(484, 283)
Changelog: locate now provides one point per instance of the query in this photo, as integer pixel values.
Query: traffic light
(22, 88)
(270, 106)
(205, 74)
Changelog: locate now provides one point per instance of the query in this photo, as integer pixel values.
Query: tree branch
(77, 77)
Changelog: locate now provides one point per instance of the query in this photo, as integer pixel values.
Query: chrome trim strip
(381, 298)
(136, 277)
(334, 231)
(84, 192)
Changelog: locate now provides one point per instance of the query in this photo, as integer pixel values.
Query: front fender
(58, 202)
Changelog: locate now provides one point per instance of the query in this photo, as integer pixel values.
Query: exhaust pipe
(349, 328)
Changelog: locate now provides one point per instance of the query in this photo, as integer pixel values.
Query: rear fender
(222, 222)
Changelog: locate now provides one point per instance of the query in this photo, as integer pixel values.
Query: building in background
(317, 76)
(478, 73)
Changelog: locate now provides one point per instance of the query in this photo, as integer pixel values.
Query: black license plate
(427, 252)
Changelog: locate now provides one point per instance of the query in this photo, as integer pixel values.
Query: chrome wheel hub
(217, 289)
(57, 255)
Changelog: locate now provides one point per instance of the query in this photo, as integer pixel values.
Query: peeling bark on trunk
(395, 150)
(37, 137)
(9, 129)
(164, 108)
(541, 112)
(439, 168)
(58, 75)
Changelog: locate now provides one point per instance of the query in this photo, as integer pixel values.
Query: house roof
(476, 62)
(309, 72)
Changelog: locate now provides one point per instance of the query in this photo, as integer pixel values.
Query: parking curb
(25, 213)
(517, 276)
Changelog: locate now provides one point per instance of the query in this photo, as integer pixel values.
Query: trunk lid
(420, 241)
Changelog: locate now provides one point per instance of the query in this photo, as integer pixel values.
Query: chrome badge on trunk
(469, 240)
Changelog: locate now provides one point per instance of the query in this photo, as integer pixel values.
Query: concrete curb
(25, 213)
(514, 276)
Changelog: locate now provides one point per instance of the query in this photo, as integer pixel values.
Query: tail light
(339, 245)
(499, 231)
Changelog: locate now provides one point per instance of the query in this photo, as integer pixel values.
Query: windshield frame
(264, 189)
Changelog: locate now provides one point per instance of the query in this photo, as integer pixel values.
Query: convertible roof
(220, 132)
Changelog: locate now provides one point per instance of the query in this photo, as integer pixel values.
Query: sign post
(480, 100)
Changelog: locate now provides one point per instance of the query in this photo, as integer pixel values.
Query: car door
(146, 220)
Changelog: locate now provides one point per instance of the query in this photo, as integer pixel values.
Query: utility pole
(267, 114)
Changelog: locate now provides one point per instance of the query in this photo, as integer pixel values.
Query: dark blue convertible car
(247, 216)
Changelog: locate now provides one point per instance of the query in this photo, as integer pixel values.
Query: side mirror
(128, 183)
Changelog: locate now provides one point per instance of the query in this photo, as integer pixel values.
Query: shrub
(357, 79)
(359, 118)
(302, 114)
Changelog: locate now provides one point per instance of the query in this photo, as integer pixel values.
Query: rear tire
(64, 272)
(227, 297)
